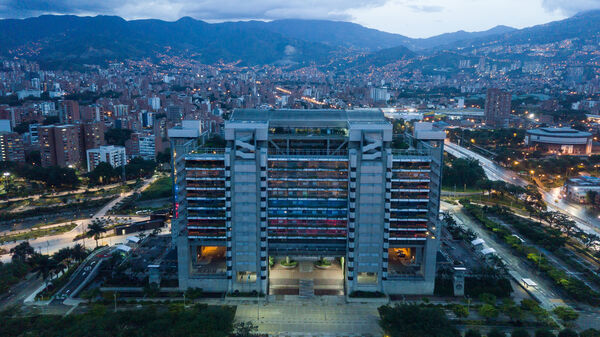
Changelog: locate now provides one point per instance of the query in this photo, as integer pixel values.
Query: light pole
(115, 296)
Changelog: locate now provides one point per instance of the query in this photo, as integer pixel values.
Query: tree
(566, 314)
(117, 136)
(590, 197)
(44, 266)
(244, 329)
(519, 332)
(568, 333)
(487, 298)
(510, 309)
(63, 255)
(411, 320)
(95, 230)
(463, 172)
(460, 311)
(472, 333)
(590, 333)
(90, 294)
(488, 312)
(495, 332)
(103, 173)
(78, 252)
(543, 333)
(164, 157)
(22, 251)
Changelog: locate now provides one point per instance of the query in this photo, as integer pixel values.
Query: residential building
(142, 145)
(308, 184)
(59, 145)
(379, 94)
(154, 103)
(121, 110)
(69, 112)
(497, 108)
(92, 135)
(11, 147)
(113, 155)
(33, 133)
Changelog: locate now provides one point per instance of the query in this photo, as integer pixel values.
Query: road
(51, 244)
(19, 292)
(83, 271)
(586, 220)
(544, 291)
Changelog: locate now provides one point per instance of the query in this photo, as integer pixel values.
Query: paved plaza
(328, 281)
(321, 316)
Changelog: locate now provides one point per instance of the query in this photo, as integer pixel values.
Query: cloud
(570, 7)
(427, 9)
(214, 10)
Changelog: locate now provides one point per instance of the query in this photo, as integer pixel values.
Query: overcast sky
(414, 18)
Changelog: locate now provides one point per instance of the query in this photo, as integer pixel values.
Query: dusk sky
(414, 18)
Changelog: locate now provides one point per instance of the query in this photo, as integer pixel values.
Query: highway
(586, 219)
(83, 272)
(518, 269)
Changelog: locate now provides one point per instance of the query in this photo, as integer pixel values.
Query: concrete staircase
(307, 289)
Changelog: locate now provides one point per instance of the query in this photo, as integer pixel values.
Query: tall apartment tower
(92, 135)
(11, 147)
(497, 108)
(60, 145)
(69, 112)
(307, 184)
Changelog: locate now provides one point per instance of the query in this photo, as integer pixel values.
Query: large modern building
(307, 184)
(497, 108)
(559, 141)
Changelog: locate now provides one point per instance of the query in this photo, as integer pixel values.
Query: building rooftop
(324, 117)
(565, 132)
(583, 181)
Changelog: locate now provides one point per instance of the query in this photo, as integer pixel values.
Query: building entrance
(306, 276)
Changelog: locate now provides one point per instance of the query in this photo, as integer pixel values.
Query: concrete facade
(308, 183)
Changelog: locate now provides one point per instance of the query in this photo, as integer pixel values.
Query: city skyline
(400, 17)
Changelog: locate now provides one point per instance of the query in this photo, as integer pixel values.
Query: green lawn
(161, 188)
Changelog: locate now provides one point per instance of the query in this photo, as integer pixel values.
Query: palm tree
(44, 266)
(63, 255)
(95, 230)
(78, 252)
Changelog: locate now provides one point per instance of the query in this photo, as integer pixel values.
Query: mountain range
(60, 41)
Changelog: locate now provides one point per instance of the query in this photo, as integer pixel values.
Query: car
(87, 268)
